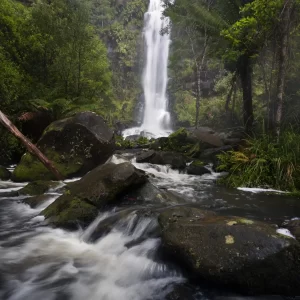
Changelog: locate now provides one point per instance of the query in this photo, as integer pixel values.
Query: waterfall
(156, 121)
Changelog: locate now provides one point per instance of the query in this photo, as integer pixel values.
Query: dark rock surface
(76, 145)
(4, 174)
(100, 187)
(197, 168)
(231, 251)
(176, 160)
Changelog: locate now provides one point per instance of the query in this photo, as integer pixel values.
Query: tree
(210, 19)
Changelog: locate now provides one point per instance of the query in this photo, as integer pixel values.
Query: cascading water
(156, 119)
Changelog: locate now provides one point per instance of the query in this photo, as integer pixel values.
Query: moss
(37, 187)
(197, 163)
(68, 211)
(122, 143)
(142, 141)
(30, 168)
(178, 139)
(245, 221)
(4, 174)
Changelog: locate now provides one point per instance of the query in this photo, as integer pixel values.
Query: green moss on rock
(97, 189)
(75, 146)
(30, 168)
(231, 251)
(37, 187)
(69, 211)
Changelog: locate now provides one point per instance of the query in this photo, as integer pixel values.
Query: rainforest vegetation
(233, 63)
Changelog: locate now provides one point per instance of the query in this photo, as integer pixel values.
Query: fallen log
(29, 146)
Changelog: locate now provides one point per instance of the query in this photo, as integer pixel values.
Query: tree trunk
(198, 94)
(271, 102)
(29, 146)
(282, 61)
(245, 72)
(229, 96)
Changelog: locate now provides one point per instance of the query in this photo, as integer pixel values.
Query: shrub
(264, 162)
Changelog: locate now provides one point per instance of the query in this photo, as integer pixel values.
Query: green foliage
(256, 25)
(122, 143)
(120, 26)
(264, 162)
(51, 52)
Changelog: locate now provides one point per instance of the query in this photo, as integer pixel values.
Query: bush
(264, 163)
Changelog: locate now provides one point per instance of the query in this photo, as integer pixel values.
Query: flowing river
(124, 261)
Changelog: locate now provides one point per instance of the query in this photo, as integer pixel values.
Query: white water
(38, 262)
(156, 120)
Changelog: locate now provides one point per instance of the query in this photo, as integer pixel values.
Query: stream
(40, 262)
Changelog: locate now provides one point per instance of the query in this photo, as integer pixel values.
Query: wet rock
(252, 298)
(181, 292)
(231, 251)
(75, 145)
(232, 141)
(36, 201)
(210, 155)
(145, 157)
(294, 227)
(197, 168)
(207, 137)
(4, 174)
(38, 187)
(101, 187)
(159, 144)
(176, 160)
(133, 137)
(148, 193)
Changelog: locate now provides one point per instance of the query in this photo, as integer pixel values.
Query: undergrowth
(264, 163)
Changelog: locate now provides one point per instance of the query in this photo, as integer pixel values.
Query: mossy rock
(231, 251)
(38, 187)
(4, 174)
(176, 160)
(180, 141)
(36, 201)
(75, 146)
(101, 187)
(197, 168)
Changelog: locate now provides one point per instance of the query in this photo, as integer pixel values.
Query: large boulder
(231, 251)
(97, 189)
(4, 174)
(176, 160)
(190, 142)
(207, 137)
(76, 145)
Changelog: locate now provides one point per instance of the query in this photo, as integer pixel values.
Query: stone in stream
(36, 201)
(231, 251)
(176, 160)
(76, 145)
(197, 168)
(294, 227)
(38, 187)
(101, 187)
(4, 174)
